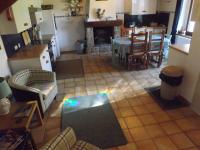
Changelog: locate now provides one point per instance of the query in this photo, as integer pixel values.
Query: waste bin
(171, 77)
(80, 46)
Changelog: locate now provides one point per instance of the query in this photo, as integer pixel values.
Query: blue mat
(93, 120)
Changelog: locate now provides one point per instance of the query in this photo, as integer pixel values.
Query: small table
(16, 139)
(9, 122)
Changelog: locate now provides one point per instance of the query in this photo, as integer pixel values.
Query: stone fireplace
(98, 33)
(102, 35)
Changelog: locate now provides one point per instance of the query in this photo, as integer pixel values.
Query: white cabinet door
(150, 6)
(137, 7)
(45, 61)
(38, 17)
(21, 15)
(167, 5)
(142, 7)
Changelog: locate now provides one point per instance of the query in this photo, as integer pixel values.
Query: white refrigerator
(48, 27)
(69, 30)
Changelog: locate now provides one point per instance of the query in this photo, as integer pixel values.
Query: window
(190, 24)
(185, 23)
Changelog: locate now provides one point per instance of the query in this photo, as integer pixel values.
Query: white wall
(109, 6)
(4, 68)
(60, 6)
(192, 68)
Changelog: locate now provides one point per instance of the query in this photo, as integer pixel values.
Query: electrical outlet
(19, 45)
(16, 47)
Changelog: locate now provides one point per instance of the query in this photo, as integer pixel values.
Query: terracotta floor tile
(135, 102)
(117, 113)
(140, 110)
(155, 131)
(115, 148)
(164, 143)
(153, 107)
(146, 99)
(185, 124)
(139, 134)
(38, 134)
(146, 145)
(122, 123)
(147, 119)
(123, 103)
(129, 146)
(53, 122)
(195, 148)
(194, 136)
(188, 112)
(133, 122)
(161, 116)
(175, 114)
(170, 127)
(126, 112)
(181, 141)
(128, 135)
(195, 121)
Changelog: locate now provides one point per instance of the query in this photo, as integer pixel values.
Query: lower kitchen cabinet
(34, 57)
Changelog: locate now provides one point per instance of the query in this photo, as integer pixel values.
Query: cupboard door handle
(40, 18)
(25, 24)
(43, 57)
(47, 62)
(144, 11)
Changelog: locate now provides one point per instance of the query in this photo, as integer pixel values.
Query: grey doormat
(93, 120)
(69, 69)
(178, 101)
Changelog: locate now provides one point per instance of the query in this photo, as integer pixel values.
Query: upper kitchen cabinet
(16, 19)
(34, 3)
(120, 6)
(140, 7)
(167, 5)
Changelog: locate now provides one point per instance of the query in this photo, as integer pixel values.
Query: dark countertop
(29, 52)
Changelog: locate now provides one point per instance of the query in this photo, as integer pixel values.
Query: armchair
(33, 84)
(67, 141)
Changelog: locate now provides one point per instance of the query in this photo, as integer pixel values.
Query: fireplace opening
(102, 35)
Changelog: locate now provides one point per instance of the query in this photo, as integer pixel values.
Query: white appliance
(48, 27)
(70, 29)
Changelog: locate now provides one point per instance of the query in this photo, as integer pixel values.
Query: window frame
(188, 33)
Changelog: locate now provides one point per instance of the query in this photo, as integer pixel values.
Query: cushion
(45, 87)
(82, 145)
(63, 141)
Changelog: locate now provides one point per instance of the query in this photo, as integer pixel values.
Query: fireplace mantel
(108, 23)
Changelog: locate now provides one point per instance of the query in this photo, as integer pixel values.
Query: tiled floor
(145, 125)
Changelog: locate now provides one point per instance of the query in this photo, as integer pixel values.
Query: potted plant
(74, 6)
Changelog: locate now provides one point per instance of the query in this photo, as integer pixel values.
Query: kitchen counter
(183, 48)
(29, 52)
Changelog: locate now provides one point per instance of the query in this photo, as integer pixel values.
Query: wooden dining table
(121, 46)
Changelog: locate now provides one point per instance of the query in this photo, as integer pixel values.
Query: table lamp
(5, 93)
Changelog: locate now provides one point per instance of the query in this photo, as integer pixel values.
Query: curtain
(176, 20)
(196, 11)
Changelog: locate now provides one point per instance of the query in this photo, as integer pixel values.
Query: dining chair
(126, 32)
(138, 30)
(155, 48)
(138, 51)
